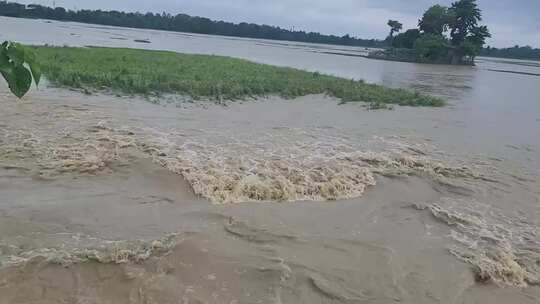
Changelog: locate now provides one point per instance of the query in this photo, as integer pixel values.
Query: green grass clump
(133, 71)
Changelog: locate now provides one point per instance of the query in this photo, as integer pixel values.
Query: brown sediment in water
(104, 251)
(110, 209)
(300, 171)
(268, 168)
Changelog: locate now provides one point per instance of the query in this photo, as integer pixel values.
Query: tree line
(441, 28)
(179, 23)
(444, 35)
(516, 52)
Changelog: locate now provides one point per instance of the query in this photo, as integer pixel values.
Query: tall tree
(430, 42)
(465, 16)
(395, 27)
(432, 47)
(435, 20)
(477, 37)
(406, 40)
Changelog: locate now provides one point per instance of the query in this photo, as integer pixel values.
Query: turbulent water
(118, 200)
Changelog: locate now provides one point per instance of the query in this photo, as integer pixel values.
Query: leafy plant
(18, 66)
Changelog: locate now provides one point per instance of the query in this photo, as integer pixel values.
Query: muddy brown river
(107, 199)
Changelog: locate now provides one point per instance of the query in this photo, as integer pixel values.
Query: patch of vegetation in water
(132, 71)
(445, 35)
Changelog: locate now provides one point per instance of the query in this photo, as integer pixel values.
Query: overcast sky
(511, 21)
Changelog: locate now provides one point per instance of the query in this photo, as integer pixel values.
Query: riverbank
(131, 71)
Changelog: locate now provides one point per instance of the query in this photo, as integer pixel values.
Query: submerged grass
(134, 71)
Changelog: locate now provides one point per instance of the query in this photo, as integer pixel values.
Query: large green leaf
(18, 66)
(19, 80)
(15, 52)
(4, 60)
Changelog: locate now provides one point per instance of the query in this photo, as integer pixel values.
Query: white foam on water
(73, 249)
(292, 167)
(501, 248)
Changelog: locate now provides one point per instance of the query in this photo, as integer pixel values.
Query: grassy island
(132, 71)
